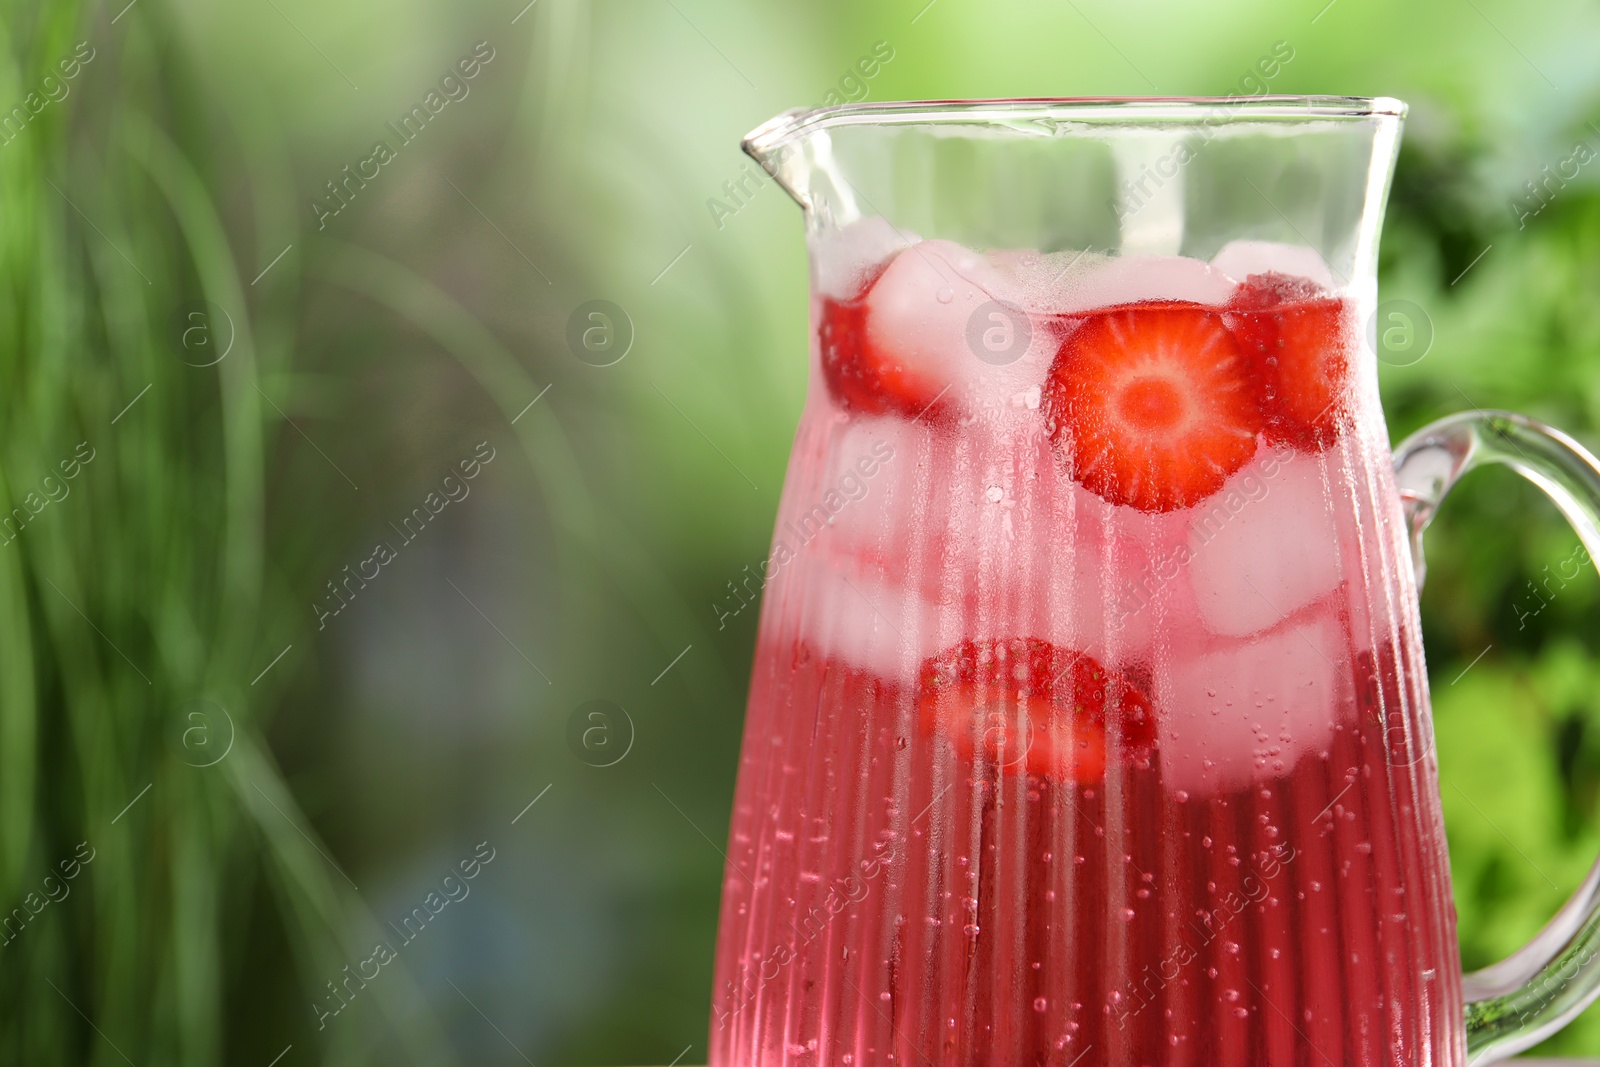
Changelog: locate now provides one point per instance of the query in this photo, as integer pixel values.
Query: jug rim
(791, 125)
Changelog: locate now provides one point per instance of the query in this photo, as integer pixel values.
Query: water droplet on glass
(945, 295)
(994, 494)
(1040, 1003)
(1127, 915)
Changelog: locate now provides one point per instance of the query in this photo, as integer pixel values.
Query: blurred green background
(268, 389)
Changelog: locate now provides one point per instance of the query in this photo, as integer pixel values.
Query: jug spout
(768, 144)
(798, 157)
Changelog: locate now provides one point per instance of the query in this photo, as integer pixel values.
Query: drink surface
(1088, 716)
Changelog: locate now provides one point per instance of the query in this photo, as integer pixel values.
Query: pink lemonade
(1088, 718)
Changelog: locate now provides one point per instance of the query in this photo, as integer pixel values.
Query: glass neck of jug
(1127, 177)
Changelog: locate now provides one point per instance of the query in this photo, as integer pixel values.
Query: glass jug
(1089, 722)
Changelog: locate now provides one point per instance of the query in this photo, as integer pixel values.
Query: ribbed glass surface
(1034, 776)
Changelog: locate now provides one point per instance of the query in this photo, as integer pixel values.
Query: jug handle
(1518, 1002)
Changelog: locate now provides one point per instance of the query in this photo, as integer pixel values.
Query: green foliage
(137, 599)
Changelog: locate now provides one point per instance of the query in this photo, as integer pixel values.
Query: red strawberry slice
(866, 376)
(1297, 338)
(1027, 706)
(1151, 404)
(861, 376)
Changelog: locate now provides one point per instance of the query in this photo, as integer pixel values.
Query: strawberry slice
(1151, 404)
(861, 376)
(1297, 338)
(1027, 706)
(864, 375)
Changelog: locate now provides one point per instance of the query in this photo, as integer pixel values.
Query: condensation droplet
(945, 295)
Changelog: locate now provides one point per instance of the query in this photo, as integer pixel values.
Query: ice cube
(1100, 599)
(945, 311)
(1245, 711)
(869, 506)
(1127, 279)
(866, 620)
(1041, 278)
(842, 259)
(1240, 259)
(1263, 546)
(965, 524)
